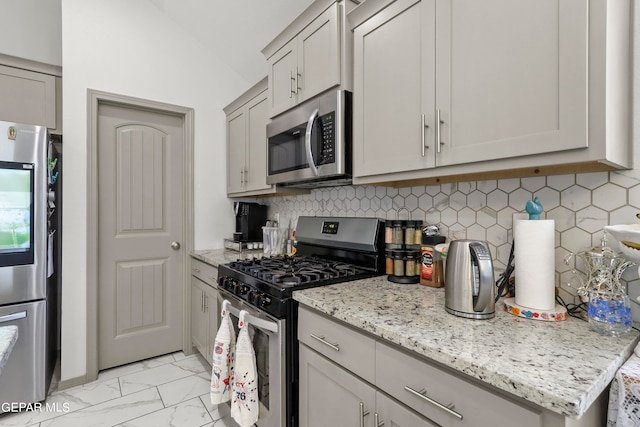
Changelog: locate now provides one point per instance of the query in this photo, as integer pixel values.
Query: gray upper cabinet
(452, 87)
(31, 97)
(246, 143)
(311, 55)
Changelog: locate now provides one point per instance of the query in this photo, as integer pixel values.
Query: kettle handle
(480, 254)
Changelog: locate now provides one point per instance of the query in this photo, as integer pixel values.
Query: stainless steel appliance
(469, 284)
(310, 146)
(25, 298)
(250, 218)
(329, 250)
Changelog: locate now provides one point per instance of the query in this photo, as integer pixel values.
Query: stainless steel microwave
(310, 146)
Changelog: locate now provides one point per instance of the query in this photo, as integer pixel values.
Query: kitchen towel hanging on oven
(244, 400)
(222, 362)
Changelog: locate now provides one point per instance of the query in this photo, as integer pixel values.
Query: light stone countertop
(215, 257)
(8, 338)
(561, 366)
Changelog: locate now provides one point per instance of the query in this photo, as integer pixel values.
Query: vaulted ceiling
(235, 30)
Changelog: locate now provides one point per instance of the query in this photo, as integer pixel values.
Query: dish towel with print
(624, 394)
(244, 400)
(222, 362)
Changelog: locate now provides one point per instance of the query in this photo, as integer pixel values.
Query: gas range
(329, 250)
(268, 283)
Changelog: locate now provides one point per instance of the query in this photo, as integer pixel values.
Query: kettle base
(476, 316)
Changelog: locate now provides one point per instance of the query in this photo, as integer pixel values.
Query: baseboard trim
(72, 382)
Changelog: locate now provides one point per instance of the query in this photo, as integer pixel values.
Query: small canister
(389, 262)
(388, 231)
(431, 271)
(398, 232)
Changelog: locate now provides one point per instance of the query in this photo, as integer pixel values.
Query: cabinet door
(199, 317)
(511, 77)
(331, 396)
(212, 318)
(256, 172)
(283, 79)
(394, 87)
(319, 54)
(391, 413)
(236, 161)
(28, 97)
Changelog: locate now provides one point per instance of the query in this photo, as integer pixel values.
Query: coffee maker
(250, 218)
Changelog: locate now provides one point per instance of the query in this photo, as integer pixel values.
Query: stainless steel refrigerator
(27, 298)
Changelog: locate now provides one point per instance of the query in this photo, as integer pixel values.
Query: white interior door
(140, 227)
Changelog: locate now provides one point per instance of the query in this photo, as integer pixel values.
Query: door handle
(423, 395)
(422, 132)
(363, 413)
(307, 142)
(376, 420)
(175, 246)
(439, 123)
(335, 347)
(13, 316)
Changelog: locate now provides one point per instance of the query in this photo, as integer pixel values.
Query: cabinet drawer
(205, 272)
(404, 376)
(345, 346)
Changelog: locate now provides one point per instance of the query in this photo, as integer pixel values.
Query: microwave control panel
(327, 147)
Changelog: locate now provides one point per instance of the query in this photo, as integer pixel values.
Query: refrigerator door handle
(14, 316)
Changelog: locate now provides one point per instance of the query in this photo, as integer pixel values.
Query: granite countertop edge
(215, 257)
(509, 353)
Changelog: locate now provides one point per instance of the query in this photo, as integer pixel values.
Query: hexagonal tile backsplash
(580, 204)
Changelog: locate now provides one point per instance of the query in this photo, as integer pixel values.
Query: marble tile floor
(170, 390)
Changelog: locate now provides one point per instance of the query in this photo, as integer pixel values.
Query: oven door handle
(252, 320)
(307, 142)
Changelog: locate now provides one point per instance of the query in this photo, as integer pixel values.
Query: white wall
(131, 48)
(31, 29)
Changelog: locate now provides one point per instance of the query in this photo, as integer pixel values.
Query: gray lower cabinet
(332, 396)
(204, 308)
(348, 378)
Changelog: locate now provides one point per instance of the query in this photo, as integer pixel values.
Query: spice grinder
(469, 288)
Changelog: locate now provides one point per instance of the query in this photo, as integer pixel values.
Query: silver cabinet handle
(13, 316)
(424, 126)
(439, 122)
(298, 75)
(244, 176)
(363, 413)
(423, 395)
(175, 245)
(325, 342)
(202, 301)
(291, 83)
(376, 420)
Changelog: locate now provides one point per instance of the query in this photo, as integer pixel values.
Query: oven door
(268, 337)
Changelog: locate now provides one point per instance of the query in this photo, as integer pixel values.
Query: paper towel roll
(535, 260)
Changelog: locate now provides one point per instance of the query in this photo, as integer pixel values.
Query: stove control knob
(242, 289)
(263, 301)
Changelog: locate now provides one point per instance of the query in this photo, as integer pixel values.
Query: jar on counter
(418, 235)
(409, 232)
(431, 264)
(398, 263)
(398, 232)
(388, 231)
(389, 262)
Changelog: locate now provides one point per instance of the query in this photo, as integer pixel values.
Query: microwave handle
(307, 142)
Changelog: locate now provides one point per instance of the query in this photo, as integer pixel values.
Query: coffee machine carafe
(250, 218)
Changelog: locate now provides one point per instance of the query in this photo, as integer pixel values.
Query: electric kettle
(469, 285)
